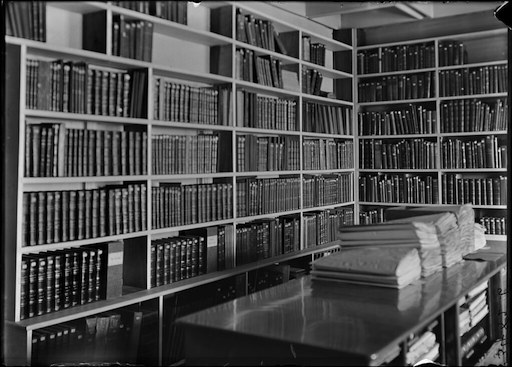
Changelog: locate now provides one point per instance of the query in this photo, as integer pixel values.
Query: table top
(363, 320)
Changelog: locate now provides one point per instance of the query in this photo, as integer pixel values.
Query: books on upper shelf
(403, 154)
(487, 152)
(55, 150)
(273, 153)
(414, 234)
(411, 120)
(70, 215)
(458, 189)
(477, 80)
(26, 19)
(330, 189)
(265, 112)
(398, 188)
(327, 119)
(175, 11)
(132, 38)
(494, 225)
(173, 101)
(265, 70)
(397, 87)
(322, 154)
(393, 267)
(321, 227)
(80, 87)
(473, 115)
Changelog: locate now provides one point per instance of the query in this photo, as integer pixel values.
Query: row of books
(266, 112)
(404, 154)
(327, 119)
(79, 87)
(68, 215)
(267, 195)
(186, 103)
(477, 191)
(175, 11)
(486, 152)
(267, 238)
(398, 188)
(321, 227)
(452, 52)
(54, 150)
(371, 216)
(311, 81)
(468, 81)
(410, 120)
(52, 281)
(183, 154)
(174, 204)
(322, 154)
(477, 337)
(176, 258)
(473, 115)
(473, 307)
(132, 38)
(267, 153)
(257, 32)
(26, 19)
(313, 52)
(494, 225)
(264, 70)
(397, 87)
(396, 58)
(327, 190)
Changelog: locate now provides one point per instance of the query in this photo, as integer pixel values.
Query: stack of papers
(480, 240)
(393, 267)
(425, 347)
(448, 234)
(419, 235)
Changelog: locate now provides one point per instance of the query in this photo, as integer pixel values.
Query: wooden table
(311, 323)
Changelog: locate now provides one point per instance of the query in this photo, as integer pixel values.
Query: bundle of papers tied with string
(393, 267)
(414, 234)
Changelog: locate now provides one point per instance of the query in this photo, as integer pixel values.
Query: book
(113, 253)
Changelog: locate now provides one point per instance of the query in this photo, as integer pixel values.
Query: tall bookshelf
(444, 144)
(99, 177)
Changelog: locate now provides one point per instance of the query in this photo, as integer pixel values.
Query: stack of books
(422, 347)
(448, 234)
(414, 234)
(393, 267)
(473, 308)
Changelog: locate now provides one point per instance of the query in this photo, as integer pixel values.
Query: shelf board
(267, 173)
(313, 98)
(262, 89)
(474, 96)
(55, 115)
(254, 130)
(474, 170)
(399, 170)
(400, 72)
(473, 65)
(330, 43)
(327, 171)
(266, 216)
(496, 237)
(198, 77)
(157, 231)
(308, 134)
(97, 307)
(398, 101)
(327, 207)
(81, 7)
(475, 133)
(404, 136)
(190, 176)
(78, 243)
(189, 125)
(376, 203)
(260, 51)
(327, 72)
(85, 179)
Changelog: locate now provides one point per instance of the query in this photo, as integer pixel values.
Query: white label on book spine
(211, 241)
(115, 258)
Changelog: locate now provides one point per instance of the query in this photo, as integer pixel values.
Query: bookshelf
(135, 172)
(431, 116)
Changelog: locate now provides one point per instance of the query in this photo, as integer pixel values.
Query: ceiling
(335, 14)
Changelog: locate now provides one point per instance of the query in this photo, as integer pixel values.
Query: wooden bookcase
(448, 134)
(197, 53)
